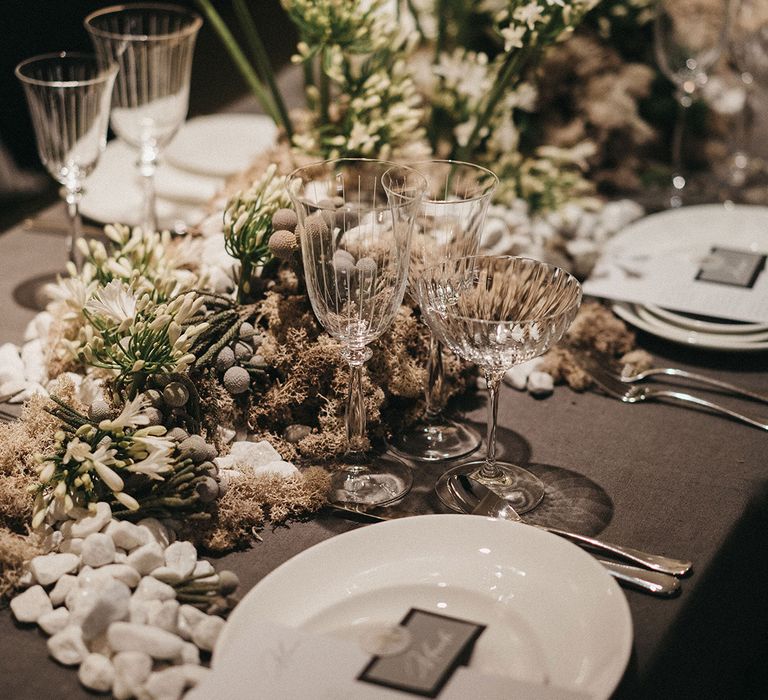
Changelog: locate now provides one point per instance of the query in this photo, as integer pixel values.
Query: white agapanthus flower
(115, 303)
(131, 416)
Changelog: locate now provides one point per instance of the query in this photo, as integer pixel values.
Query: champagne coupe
(68, 96)
(498, 311)
(449, 225)
(688, 39)
(153, 45)
(355, 224)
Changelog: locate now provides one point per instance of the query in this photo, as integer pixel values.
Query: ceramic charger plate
(553, 614)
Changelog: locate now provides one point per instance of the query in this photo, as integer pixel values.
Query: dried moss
(15, 551)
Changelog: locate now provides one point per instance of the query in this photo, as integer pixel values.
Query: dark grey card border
(759, 267)
(461, 659)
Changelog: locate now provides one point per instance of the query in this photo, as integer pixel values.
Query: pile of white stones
(103, 593)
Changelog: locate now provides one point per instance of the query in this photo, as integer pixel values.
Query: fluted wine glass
(449, 224)
(688, 40)
(68, 96)
(153, 44)
(355, 224)
(498, 311)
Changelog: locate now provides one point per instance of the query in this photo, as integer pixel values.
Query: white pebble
(122, 572)
(190, 654)
(189, 618)
(159, 644)
(166, 575)
(121, 556)
(54, 621)
(49, 568)
(517, 377)
(155, 531)
(181, 557)
(127, 535)
(206, 632)
(104, 607)
(540, 383)
(481, 383)
(63, 586)
(96, 672)
(163, 614)
(93, 521)
(150, 588)
(253, 454)
(132, 668)
(167, 684)
(98, 550)
(138, 610)
(194, 673)
(26, 580)
(67, 646)
(31, 605)
(279, 467)
(203, 567)
(73, 545)
(146, 558)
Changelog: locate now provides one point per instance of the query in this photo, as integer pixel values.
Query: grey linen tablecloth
(659, 477)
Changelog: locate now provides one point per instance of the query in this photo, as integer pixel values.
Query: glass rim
(196, 21)
(388, 164)
(104, 73)
(550, 266)
(488, 189)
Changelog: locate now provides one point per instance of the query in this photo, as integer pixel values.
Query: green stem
(263, 64)
(241, 62)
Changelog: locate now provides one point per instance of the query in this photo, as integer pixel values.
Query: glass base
(381, 481)
(521, 488)
(435, 440)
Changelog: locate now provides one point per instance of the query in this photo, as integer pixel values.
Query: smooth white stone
(279, 467)
(54, 621)
(138, 610)
(252, 454)
(96, 672)
(31, 389)
(100, 645)
(122, 572)
(73, 545)
(67, 646)
(52, 541)
(127, 535)
(194, 673)
(226, 477)
(93, 521)
(98, 550)
(189, 618)
(146, 558)
(181, 557)
(203, 567)
(11, 365)
(49, 568)
(163, 614)
(166, 575)
(206, 632)
(63, 586)
(121, 557)
(132, 668)
(39, 326)
(516, 377)
(167, 684)
(156, 531)
(27, 579)
(31, 605)
(190, 654)
(540, 383)
(33, 357)
(159, 644)
(150, 588)
(12, 386)
(481, 383)
(105, 607)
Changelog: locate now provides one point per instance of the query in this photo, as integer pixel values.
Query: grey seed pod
(326, 203)
(297, 431)
(366, 266)
(176, 394)
(258, 361)
(283, 244)
(237, 380)
(155, 415)
(228, 582)
(195, 448)
(338, 201)
(242, 351)
(346, 219)
(154, 397)
(225, 359)
(315, 228)
(99, 411)
(207, 489)
(246, 330)
(210, 468)
(178, 434)
(284, 219)
(343, 261)
(258, 340)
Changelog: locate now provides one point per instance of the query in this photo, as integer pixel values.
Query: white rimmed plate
(638, 317)
(221, 144)
(698, 323)
(553, 614)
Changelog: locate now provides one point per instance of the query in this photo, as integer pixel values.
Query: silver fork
(613, 385)
(610, 365)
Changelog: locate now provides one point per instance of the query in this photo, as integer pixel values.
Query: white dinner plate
(221, 144)
(637, 316)
(113, 191)
(553, 614)
(703, 324)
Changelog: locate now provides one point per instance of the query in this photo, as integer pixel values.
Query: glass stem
(147, 168)
(493, 377)
(433, 391)
(74, 194)
(684, 101)
(357, 438)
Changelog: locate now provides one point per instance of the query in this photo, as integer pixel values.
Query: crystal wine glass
(153, 45)
(355, 222)
(449, 225)
(68, 96)
(498, 311)
(688, 39)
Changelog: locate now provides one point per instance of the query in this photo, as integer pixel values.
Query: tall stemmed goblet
(153, 44)
(68, 96)
(449, 225)
(688, 39)
(498, 311)
(355, 223)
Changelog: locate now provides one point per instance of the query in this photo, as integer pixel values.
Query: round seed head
(343, 261)
(178, 434)
(176, 394)
(99, 411)
(346, 219)
(196, 449)
(258, 361)
(294, 433)
(246, 330)
(284, 219)
(283, 244)
(315, 228)
(155, 415)
(236, 380)
(366, 265)
(242, 351)
(225, 359)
